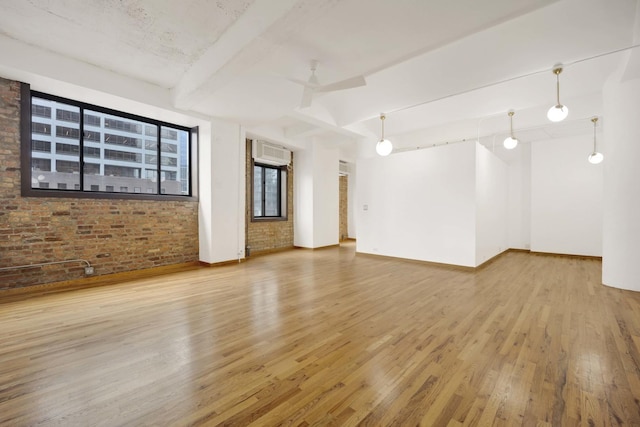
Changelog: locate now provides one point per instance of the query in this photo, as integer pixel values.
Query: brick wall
(265, 236)
(113, 235)
(343, 206)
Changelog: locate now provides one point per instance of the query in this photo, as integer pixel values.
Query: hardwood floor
(329, 338)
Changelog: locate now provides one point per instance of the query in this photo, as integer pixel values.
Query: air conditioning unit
(263, 152)
(344, 168)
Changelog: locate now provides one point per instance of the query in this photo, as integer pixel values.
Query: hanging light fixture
(510, 142)
(595, 157)
(558, 112)
(384, 146)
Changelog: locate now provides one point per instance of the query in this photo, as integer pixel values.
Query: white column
(316, 194)
(221, 168)
(621, 220)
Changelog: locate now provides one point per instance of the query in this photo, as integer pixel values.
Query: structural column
(621, 216)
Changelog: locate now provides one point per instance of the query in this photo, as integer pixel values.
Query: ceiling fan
(312, 85)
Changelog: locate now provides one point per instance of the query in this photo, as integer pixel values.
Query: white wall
(566, 197)
(222, 192)
(491, 205)
(419, 205)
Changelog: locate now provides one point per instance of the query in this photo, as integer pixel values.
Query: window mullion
(264, 191)
(159, 161)
(81, 148)
(279, 186)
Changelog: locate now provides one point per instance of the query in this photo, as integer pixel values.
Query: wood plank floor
(328, 338)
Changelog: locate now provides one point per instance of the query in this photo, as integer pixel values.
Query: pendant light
(558, 112)
(384, 146)
(510, 142)
(595, 157)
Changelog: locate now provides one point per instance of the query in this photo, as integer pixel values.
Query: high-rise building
(120, 154)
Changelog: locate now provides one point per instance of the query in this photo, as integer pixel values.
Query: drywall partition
(566, 197)
(222, 192)
(419, 205)
(316, 195)
(491, 205)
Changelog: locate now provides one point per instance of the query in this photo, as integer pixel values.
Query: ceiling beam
(204, 75)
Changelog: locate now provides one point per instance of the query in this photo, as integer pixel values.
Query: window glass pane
(55, 145)
(111, 152)
(271, 190)
(174, 161)
(257, 190)
(114, 153)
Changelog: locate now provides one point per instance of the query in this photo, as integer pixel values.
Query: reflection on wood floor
(329, 337)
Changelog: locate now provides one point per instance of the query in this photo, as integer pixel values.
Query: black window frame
(26, 95)
(282, 187)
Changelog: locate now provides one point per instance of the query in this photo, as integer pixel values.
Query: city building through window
(269, 192)
(127, 153)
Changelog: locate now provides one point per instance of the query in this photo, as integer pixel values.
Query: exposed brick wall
(264, 236)
(343, 206)
(113, 235)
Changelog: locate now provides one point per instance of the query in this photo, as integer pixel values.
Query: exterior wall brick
(264, 236)
(113, 235)
(343, 206)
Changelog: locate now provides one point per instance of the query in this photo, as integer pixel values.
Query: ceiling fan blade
(307, 96)
(312, 83)
(298, 81)
(352, 82)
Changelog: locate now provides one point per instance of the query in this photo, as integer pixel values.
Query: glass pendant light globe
(510, 143)
(595, 158)
(384, 147)
(558, 113)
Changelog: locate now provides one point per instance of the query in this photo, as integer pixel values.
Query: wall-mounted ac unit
(344, 168)
(263, 152)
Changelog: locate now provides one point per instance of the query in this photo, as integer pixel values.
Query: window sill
(270, 219)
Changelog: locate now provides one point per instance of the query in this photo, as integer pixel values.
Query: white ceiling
(441, 70)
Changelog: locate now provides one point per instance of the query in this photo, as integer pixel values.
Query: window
(41, 164)
(269, 192)
(67, 132)
(68, 116)
(91, 120)
(67, 149)
(40, 111)
(82, 150)
(44, 146)
(40, 128)
(91, 152)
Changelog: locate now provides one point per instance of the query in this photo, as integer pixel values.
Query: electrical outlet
(88, 271)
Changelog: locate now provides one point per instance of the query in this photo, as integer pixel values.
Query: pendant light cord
(382, 117)
(558, 87)
(594, 120)
(511, 113)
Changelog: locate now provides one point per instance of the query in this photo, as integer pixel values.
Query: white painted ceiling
(442, 70)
